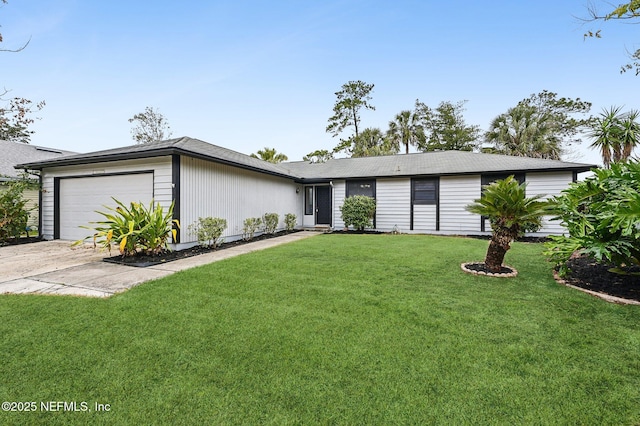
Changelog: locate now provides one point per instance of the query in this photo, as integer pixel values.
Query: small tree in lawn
(358, 211)
(510, 213)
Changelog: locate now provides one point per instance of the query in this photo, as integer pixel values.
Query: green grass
(335, 329)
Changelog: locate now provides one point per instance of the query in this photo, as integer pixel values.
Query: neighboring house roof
(419, 164)
(14, 153)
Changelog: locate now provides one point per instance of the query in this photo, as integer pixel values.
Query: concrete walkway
(54, 267)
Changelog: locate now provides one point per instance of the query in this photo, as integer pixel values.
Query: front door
(323, 205)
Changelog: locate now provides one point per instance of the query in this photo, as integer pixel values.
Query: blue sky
(250, 74)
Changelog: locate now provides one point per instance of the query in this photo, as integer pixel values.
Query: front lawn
(334, 329)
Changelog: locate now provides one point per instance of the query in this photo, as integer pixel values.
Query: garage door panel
(79, 199)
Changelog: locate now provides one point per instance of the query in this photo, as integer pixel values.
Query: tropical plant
(511, 214)
(290, 221)
(250, 226)
(270, 155)
(270, 221)
(208, 230)
(135, 228)
(602, 217)
(358, 211)
(405, 129)
(615, 134)
(14, 213)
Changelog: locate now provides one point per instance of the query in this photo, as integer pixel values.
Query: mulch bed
(142, 260)
(588, 274)
(24, 240)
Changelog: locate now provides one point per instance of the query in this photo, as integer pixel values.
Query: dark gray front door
(323, 205)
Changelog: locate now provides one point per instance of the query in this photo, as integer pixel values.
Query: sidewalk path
(53, 267)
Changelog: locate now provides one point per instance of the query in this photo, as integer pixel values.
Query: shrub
(250, 227)
(135, 228)
(290, 221)
(358, 211)
(602, 216)
(270, 221)
(14, 214)
(208, 230)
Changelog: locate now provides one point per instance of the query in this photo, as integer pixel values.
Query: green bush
(208, 230)
(602, 216)
(250, 227)
(14, 214)
(290, 221)
(358, 211)
(135, 228)
(270, 221)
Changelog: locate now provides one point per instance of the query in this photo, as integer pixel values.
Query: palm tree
(372, 142)
(524, 131)
(270, 155)
(630, 135)
(405, 129)
(511, 214)
(605, 132)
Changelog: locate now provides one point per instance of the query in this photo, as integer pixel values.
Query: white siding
(161, 167)
(393, 204)
(456, 192)
(339, 192)
(234, 194)
(424, 217)
(550, 184)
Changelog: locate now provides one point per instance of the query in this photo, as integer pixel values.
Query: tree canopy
(372, 142)
(444, 128)
(149, 126)
(540, 126)
(406, 129)
(318, 156)
(624, 12)
(352, 97)
(615, 134)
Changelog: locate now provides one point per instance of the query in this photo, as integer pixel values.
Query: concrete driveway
(54, 267)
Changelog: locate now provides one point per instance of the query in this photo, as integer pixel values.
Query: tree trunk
(497, 250)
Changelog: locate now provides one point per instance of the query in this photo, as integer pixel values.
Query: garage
(78, 198)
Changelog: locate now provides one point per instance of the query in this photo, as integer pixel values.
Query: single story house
(16, 153)
(421, 193)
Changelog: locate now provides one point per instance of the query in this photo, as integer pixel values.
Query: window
(425, 191)
(490, 178)
(361, 187)
(308, 200)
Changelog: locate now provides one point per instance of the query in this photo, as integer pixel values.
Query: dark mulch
(24, 240)
(142, 260)
(481, 267)
(587, 273)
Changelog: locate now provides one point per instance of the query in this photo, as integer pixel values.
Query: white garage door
(81, 197)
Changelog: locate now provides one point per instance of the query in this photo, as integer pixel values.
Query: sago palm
(606, 132)
(511, 214)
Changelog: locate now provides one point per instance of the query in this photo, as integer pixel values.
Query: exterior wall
(234, 194)
(424, 218)
(393, 204)
(161, 167)
(456, 192)
(550, 184)
(339, 192)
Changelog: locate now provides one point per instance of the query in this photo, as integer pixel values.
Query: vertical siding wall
(339, 192)
(550, 184)
(424, 218)
(162, 192)
(456, 192)
(393, 204)
(218, 190)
